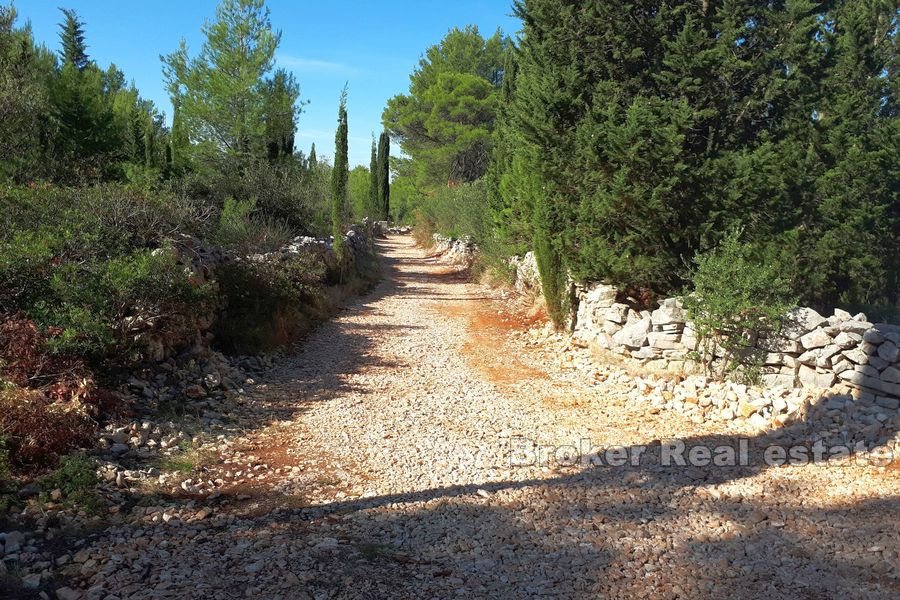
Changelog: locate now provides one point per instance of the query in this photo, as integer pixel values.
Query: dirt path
(376, 463)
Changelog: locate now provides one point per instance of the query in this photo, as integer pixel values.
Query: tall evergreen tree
(373, 209)
(383, 164)
(313, 160)
(222, 93)
(24, 103)
(340, 173)
(179, 143)
(444, 124)
(73, 49)
(281, 112)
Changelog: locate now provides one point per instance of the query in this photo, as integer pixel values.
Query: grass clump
(76, 479)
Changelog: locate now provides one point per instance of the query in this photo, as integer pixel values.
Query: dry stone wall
(841, 351)
(459, 251)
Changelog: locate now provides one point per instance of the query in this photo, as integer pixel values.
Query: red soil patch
(488, 330)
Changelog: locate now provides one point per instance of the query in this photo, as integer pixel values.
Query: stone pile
(200, 258)
(356, 240)
(528, 278)
(458, 251)
(811, 351)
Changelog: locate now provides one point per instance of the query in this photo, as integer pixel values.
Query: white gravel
(380, 463)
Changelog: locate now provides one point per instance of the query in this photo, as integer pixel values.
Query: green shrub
(287, 192)
(76, 478)
(268, 303)
(460, 211)
(100, 305)
(736, 295)
(245, 232)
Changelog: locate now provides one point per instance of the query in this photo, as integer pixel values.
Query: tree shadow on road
(643, 530)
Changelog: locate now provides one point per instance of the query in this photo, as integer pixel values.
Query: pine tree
(444, 124)
(384, 175)
(74, 49)
(373, 209)
(339, 175)
(222, 93)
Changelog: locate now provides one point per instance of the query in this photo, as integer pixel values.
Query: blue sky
(372, 45)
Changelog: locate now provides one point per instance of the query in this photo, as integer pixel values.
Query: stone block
(816, 338)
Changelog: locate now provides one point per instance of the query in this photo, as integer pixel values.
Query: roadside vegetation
(622, 145)
(109, 205)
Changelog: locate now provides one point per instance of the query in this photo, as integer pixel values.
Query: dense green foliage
(339, 177)
(372, 203)
(359, 186)
(736, 296)
(383, 174)
(68, 120)
(445, 122)
(82, 262)
(654, 128)
(225, 97)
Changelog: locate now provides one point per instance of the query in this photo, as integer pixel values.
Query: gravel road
(394, 456)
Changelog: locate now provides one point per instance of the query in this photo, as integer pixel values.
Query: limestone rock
(800, 321)
(847, 339)
(634, 334)
(810, 378)
(891, 375)
(873, 336)
(601, 296)
(857, 356)
(815, 339)
(888, 351)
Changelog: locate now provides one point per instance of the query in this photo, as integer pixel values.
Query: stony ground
(394, 456)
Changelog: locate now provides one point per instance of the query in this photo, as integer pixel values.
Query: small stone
(745, 409)
(13, 542)
(29, 491)
(802, 320)
(847, 339)
(841, 366)
(856, 356)
(888, 351)
(810, 378)
(67, 593)
(842, 315)
(873, 336)
(758, 421)
(195, 392)
(885, 402)
(119, 448)
(891, 375)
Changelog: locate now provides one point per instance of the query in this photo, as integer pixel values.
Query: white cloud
(308, 65)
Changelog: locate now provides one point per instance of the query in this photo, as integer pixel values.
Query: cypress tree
(339, 176)
(384, 175)
(179, 144)
(74, 49)
(313, 161)
(373, 209)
